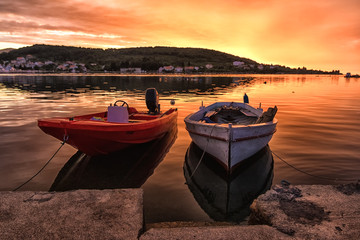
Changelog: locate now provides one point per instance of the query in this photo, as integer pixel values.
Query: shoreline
(160, 74)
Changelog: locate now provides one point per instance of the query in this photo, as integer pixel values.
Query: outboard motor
(246, 98)
(152, 100)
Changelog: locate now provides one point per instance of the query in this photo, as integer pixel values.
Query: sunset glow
(322, 34)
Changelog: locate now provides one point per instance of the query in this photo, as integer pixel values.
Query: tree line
(148, 59)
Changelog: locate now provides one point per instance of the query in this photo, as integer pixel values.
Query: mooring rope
(62, 144)
(309, 174)
(204, 151)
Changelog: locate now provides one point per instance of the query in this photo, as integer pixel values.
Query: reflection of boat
(116, 129)
(227, 197)
(231, 132)
(128, 168)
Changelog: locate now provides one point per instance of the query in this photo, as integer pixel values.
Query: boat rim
(188, 119)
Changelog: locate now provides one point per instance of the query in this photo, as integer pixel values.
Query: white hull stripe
(235, 140)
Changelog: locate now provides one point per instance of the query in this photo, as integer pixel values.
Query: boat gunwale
(226, 125)
(84, 124)
(250, 137)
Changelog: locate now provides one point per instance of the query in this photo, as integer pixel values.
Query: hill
(146, 58)
(5, 50)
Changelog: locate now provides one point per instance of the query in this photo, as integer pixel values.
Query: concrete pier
(215, 232)
(81, 214)
(285, 212)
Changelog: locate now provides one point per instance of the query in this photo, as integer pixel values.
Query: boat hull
(99, 138)
(229, 144)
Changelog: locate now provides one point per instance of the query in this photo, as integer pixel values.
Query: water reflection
(128, 168)
(227, 197)
(79, 84)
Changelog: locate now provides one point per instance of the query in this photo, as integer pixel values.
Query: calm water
(318, 132)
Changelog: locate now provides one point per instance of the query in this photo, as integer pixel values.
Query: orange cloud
(323, 34)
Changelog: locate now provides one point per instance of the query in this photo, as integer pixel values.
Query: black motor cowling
(152, 100)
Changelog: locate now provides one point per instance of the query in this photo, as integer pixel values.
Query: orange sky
(317, 34)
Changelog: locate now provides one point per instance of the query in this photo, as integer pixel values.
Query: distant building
(39, 64)
(20, 60)
(168, 68)
(179, 69)
(189, 69)
(30, 65)
(9, 68)
(61, 67)
(130, 70)
(260, 67)
(209, 66)
(29, 56)
(73, 68)
(238, 64)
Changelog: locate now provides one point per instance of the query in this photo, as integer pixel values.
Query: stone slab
(80, 214)
(311, 211)
(222, 232)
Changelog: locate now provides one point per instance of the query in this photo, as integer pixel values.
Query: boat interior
(237, 115)
(133, 116)
(230, 114)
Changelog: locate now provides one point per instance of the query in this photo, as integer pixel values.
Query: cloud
(84, 16)
(15, 26)
(297, 32)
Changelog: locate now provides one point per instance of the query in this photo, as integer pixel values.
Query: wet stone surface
(310, 211)
(349, 189)
(300, 211)
(304, 212)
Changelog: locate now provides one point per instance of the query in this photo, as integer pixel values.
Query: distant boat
(227, 197)
(348, 75)
(231, 131)
(118, 128)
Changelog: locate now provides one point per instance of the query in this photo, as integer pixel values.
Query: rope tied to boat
(309, 174)
(65, 139)
(312, 175)
(204, 151)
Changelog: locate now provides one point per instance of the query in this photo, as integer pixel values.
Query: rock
(310, 212)
(350, 188)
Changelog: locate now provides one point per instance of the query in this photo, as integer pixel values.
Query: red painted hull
(102, 137)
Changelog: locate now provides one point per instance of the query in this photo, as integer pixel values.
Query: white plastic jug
(118, 114)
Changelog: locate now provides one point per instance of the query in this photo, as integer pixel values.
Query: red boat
(116, 129)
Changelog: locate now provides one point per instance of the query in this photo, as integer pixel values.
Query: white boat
(231, 131)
